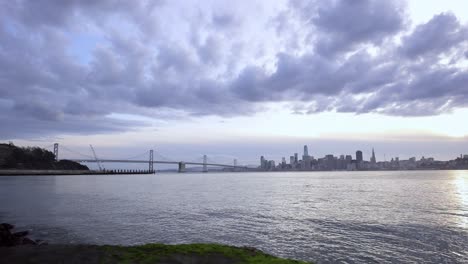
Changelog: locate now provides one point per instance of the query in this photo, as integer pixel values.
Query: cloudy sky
(236, 78)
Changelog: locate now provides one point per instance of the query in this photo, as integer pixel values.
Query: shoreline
(17, 247)
(14, 172)
(147, 253)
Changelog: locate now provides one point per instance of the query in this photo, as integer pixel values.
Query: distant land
(33, 158)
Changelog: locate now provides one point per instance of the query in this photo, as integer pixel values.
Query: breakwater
(72, 172)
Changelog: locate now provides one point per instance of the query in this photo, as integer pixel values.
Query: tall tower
(150, 166)
(359, 156)
(306, 159)
(56, 151)
(373, 160)
(205, 167)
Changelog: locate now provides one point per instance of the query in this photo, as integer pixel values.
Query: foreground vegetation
(188, 253)
(150, 253)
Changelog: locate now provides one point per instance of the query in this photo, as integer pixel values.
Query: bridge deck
(158, 162)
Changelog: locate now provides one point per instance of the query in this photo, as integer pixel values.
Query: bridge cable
(157, 154)
(76, 152)
(146, 153)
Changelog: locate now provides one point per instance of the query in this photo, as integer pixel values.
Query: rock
(6, 226)
(6, 239)
(28, 241)
(21, 234)
(41, 242)
(9, 239)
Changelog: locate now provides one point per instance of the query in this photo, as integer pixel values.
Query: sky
(236, 79)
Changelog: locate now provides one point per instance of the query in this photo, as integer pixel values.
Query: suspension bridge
(152, 158)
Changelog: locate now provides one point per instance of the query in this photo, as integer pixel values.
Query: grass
(189, 253)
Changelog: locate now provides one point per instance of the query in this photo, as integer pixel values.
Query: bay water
(326, 217)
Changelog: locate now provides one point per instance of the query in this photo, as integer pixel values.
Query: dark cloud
(209, 52)
(439, 35)
(362, 82)
(142, 59)
(64, 13)
(223, 20)
(19, 127)
(340, 25)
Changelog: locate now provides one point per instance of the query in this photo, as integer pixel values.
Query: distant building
(351, 166)
(373, 160)
(292, 160)
(296, 160)
(348, 159)
(306, 162)
(341, 165)
(271, 165)
(330, 162)
(359, 158)
(306, 159)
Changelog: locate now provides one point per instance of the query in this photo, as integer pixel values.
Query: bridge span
(181, 164)
(150, 161)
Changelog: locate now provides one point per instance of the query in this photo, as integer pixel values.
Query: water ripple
(415, 217)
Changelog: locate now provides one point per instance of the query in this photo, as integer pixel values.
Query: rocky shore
(8, 238)
(16, 247)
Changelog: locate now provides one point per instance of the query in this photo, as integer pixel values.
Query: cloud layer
(70, 66)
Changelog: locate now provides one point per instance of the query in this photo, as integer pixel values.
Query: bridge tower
(56, 151)
(205, 159)
(181, 166)
(151, 161)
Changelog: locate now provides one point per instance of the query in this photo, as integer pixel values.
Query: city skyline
(359, 162)
(359, 155)
(236, 79)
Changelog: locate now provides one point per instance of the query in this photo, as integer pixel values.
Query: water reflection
(460, 182)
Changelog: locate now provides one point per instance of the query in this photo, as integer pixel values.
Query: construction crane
(95, 157)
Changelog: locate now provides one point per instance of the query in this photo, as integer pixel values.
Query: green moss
(189, 253)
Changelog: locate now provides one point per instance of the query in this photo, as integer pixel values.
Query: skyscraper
(359, 156)
(306, 159)
(348, 158)
(373, 160)
(306, 162)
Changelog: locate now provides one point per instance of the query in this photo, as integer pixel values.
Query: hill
(33, 158)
